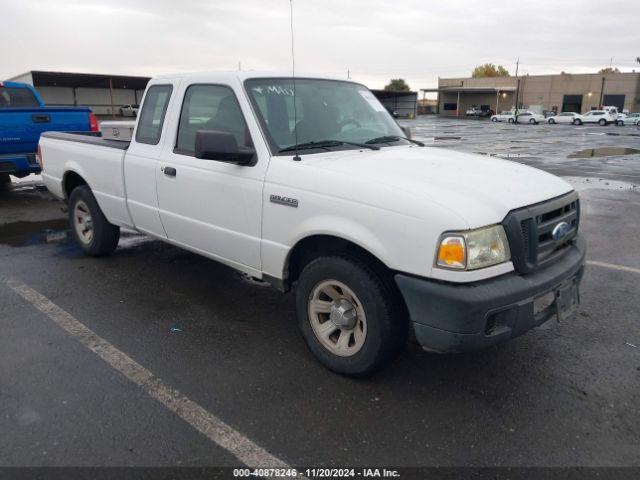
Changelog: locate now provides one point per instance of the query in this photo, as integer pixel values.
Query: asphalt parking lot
(563, 396)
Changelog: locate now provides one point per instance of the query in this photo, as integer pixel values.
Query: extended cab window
(153, 112)
(11, 97)
(210, 107)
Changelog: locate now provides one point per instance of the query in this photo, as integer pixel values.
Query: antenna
(293, 78)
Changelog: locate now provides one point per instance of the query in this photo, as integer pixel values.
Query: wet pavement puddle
(604, 152)
(23, 234)
(26, 234)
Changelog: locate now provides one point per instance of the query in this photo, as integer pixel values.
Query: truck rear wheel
(351, 316)
(89, 226)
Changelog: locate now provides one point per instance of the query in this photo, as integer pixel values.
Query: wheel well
(71, 180)
(323, 245)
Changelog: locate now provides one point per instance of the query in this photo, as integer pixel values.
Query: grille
(530, 231)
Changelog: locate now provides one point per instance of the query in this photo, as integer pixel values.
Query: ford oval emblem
(560, 230)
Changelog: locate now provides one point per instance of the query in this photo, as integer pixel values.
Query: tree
(397, 85)
(490, 70)
(609, 70)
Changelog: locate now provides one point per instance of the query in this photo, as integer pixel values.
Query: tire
(89, 227)
(494, 119)
(602, 122)
(511, 120)
(577, 121)
(551, 121)
(620, 123)
(533, 121)
(379, 322)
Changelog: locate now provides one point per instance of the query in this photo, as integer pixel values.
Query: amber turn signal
(452, 253)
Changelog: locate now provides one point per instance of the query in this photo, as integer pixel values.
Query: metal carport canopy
(468, 89)
(67, 79)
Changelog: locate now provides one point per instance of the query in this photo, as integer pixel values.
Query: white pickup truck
(379, 235)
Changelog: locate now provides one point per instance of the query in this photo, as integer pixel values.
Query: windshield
(327, 111)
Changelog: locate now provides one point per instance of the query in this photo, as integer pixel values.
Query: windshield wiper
(326, 144)
(392, 138)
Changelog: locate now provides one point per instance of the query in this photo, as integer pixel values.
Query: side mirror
(406, 131)
(223, 147)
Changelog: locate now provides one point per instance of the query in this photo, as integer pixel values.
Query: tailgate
(20, 128)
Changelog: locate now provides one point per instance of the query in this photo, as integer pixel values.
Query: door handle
(40, 118)
(169, 171)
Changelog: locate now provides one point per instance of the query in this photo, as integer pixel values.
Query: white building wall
(62, 96)
(24, 78)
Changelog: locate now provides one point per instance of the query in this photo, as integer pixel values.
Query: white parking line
(622, 268)
(195, 415)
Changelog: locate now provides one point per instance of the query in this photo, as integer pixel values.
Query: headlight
(473, 249)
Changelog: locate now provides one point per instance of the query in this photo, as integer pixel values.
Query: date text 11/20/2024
(316, 473)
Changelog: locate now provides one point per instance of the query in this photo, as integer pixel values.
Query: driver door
(209, 206)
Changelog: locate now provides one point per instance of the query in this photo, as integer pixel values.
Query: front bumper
(457, 317)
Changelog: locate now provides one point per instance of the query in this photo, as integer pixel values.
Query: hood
(479, 189)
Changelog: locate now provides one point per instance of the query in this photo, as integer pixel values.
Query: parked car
(601, 117)
(564, 117)
(466, 250)
(526, 116)
(627, 119)
(475, 111)
(23, 117)
(504, 116)
(129, 110)
(482, 111)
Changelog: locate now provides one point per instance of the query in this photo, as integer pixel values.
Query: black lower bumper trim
(456, 317)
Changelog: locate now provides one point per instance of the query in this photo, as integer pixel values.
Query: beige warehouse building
(566, 92)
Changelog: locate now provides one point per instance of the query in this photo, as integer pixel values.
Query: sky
(372, 40)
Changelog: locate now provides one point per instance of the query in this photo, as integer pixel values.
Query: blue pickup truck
(23, 117)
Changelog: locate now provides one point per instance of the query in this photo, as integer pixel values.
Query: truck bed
(89, 138)
(20, 129)
(100, 162)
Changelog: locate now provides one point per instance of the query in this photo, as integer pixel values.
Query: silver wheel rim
(82, 222)
(337, 318)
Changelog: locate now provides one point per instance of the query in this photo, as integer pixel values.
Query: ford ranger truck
(378, 235)
(23, 117)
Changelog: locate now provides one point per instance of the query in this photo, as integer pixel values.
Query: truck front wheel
(89, 226)
(351, 316)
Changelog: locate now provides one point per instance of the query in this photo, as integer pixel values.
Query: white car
(375, 234)
(129, 110)
(526, 116)
(564, 117)
(601, 117)
(505, 116)
(628, 119)
(474, 111)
